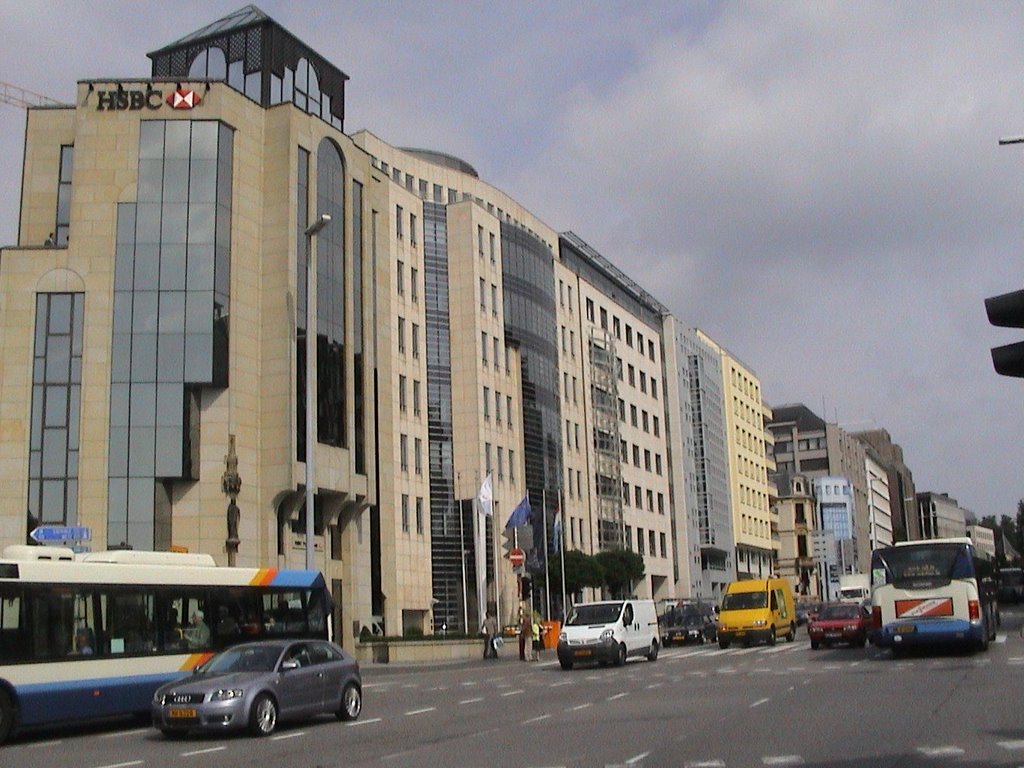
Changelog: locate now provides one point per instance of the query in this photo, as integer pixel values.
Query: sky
(817, 186)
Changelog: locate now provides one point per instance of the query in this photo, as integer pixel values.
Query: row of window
(617, 331)
(639, 495)
(405, 514)
(492, 248)
(755, 526)
(645, 422)
(494, 298)
(403, 454)
(648, 455)
(403, 395)
(492, 344)
(414, 236)
(745, 412)
(632, 378)
(653, 538)
(490, 467)
(414, 281)
(498, 397)
(415, 339)
(747, 385)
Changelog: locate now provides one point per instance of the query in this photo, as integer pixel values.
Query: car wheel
(565, 663)
(263, 716)
(653, 653)
(772, 637)
(6, 717)
(791, 635)
(351, 703)
(620, 657)
(814, 645)
(723, 644)
(863, 641)
(701, 638)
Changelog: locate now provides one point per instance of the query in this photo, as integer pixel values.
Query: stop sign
(517, 557)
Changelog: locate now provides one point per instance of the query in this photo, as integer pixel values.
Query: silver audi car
(256, 685)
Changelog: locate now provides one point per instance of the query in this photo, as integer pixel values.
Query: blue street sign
(61, 533)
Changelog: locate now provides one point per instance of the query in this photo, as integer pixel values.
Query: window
(657, 463)
(405, 512)
(604, 319)
(63, 219)
(480, 240)
(657, 428)
(415, 397)
(497, 353)
(640, 541)
(401, 335)
(654, 388)
(650, 350)
(494, 251)
(415, 340)
(487, 403)
(494, 300)
(508, 410)
(487, 458)
(398, 222)
(414, 283)
(616, 328)
(647, 460)
(402, 405)
(643, 382)
(625, 494)
(651, 538)
(511, 465)
(412, 230)
(497, 407)
(419, 514)
(636, 455)
(400, 278)
(643, 420)
(418, 455)
(483, 347)
(638, 497)
(632, 376)
(650, 501)
(632, 415)
(483, 295)
(590, 310)
(501, 463)
(403, 452)
(629, 335)
(661, 504)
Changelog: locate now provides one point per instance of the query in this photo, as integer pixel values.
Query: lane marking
(284, 736)
(119, 734)
(564, 682)
(203, 751)
(946, 751)
(53, 743)
(617, 696)
(535, 719)
(1016, 744)
(759, 702)
(363, 722)
(579, 706)
(472, 701)
(420, 711)
(637, 759)
(704, 764)
(782, 760)
(513, 693)
(122, 765)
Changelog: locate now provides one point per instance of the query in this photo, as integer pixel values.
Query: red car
(839, 623)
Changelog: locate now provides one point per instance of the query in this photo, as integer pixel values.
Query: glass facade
(528, 280)
(170, 319)
(56, 410)
(302, 244)
(330, 297)
(63, 223)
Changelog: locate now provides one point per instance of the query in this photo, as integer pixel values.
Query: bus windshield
(922, 566)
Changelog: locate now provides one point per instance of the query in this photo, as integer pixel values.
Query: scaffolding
(608, 466)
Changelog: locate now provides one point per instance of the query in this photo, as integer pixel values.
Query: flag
(556, 532)
(520, 515)
(486, 496)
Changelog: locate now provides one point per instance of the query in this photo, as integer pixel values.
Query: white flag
(486, 496)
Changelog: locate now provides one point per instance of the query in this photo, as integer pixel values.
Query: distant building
(940, 516)
(902, 501)
(835, 523)
(795, 509)
(878, 503)
(984, 540)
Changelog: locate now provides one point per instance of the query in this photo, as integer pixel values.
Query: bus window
(13, 637)
(129, 622)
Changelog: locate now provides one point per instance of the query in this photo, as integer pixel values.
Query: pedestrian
(491, 636)
(535, 635)
(525, 632)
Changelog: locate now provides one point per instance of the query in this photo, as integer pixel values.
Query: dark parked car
(255, 685)
(806, 610)
(687, 622)
(840, 623)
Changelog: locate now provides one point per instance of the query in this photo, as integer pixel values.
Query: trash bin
(549, 633)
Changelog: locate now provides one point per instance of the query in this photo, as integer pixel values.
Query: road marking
(420, 711)
(782, 760)
(119, 734)
(1017, 744)
(122, 765)
(637, 759)
(363, 722)
(617, 696)
(472, 701)
(947, 751)
(654, 685)
(579, 706)
(438, 688)
(759, 702)
(53, 743)
(535, 719)
(284, 736)
(513, 693)
(203, 751)
(564, 682)
(704, 764)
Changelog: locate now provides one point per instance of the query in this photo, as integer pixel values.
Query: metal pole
(547, 575)
(311, 231)
(462, 556)
(561, 545)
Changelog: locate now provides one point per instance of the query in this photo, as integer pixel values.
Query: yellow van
(757, 609)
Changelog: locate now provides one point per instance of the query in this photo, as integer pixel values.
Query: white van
(609, 631)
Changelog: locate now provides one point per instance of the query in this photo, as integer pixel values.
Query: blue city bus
(89, 636)
(932, 592)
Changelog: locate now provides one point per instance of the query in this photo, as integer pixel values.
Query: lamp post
(311, 231)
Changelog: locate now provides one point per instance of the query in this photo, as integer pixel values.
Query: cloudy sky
(818, 186)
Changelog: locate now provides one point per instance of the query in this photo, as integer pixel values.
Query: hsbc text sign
(125, 100)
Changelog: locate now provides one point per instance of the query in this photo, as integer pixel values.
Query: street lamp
(311, 231)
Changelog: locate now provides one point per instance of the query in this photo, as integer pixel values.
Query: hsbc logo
(122, 100)
(183, 98)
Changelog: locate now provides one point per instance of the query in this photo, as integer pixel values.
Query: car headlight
(852, 627)
(158, 698)
(759, 622)
(226, 694)
(563, 637)
(607, 635)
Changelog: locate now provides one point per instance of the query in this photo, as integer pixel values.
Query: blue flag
(520, 515)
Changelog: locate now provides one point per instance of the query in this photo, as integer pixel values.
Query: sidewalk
(508, 655)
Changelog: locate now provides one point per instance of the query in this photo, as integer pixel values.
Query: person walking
(525, 631)
(535, 636)
(491, 636)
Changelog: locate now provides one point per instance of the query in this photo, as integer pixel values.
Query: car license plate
(583, 652)
(833, 634)
(678, 636)
(741, 633)
(181, 714)
(904, 629)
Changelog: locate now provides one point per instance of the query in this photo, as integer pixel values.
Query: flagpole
(561, 546)
(462, 550)
(547, 575)
(494, 555)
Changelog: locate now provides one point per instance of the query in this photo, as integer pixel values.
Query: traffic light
(1007, 311)
(526, 587)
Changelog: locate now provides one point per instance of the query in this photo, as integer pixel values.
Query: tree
(581, 570)
(622, 569)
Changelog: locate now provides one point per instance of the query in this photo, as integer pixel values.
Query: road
(696, 707)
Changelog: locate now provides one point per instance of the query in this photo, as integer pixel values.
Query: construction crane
(21, 97)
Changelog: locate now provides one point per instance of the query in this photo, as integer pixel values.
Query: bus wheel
(6, 716)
